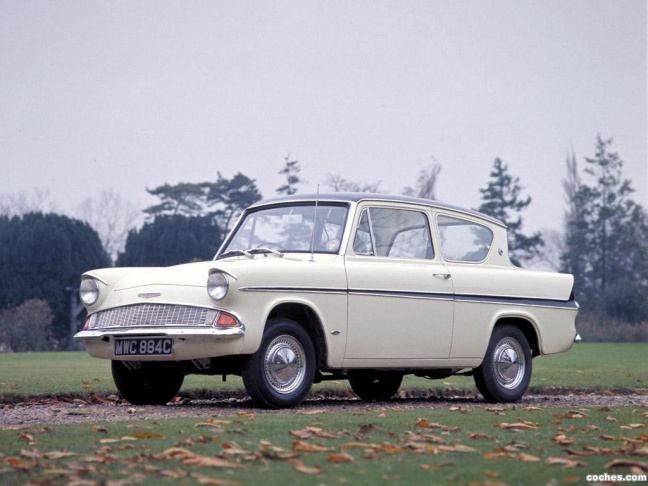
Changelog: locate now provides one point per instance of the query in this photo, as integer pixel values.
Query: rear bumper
(188, 343)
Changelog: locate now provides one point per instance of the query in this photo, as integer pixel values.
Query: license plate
(156, 346)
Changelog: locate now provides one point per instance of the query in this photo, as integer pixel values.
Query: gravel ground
(114, 410)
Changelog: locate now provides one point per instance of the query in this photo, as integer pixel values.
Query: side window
(463, 240)
(395, 233)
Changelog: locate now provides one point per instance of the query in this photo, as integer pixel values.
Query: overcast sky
(133, 94)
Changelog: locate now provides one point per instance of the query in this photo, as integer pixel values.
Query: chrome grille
(145, 315)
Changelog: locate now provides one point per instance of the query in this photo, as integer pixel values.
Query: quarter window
(395, 233)
(463, 240)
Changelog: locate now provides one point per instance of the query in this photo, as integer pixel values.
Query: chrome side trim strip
(402, 294)
(477, 299)
(310, 290)
(526, 302)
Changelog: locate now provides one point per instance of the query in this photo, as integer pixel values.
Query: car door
(400, 295)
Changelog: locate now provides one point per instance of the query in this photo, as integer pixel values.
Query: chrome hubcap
(508, 361)
(285, 364)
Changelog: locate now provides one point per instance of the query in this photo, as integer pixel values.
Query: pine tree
(291, 171)
(501, 199)
(607, 238)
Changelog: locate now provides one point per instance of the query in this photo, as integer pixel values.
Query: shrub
(27, 327)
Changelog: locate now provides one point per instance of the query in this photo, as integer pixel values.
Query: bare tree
(112, 217)
(22, 202)
(426, 183)
(338, 184)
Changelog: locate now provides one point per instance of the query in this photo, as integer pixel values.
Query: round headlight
(89, 291)
(217, 285)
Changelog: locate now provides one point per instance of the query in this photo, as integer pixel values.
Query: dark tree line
(606, 238)
(42, 256)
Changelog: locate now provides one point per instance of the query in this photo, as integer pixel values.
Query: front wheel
(146, 386)
(375, 386)
(505, 373)
(281, 372)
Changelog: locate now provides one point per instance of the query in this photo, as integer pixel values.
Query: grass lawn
(598, 366)
(501, 445)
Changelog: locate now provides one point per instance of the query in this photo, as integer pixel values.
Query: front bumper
(188, 343)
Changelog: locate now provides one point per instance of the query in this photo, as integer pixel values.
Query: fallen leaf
(627, 463)
(311, 412)
(532, 409)
(301, 434)
(519, 426)
(192, 459)
(562, 439)
(54, 455)
(302, 468)
(341, 457)
(18, 463)
(564, 462)
(99, 428)
(356, 445)
(200, 479)
(527, 457)
(28, 437)
(147, 435)
(496, 409)
(301, 446)
(478, 435)
(438, 465)
(458, 409)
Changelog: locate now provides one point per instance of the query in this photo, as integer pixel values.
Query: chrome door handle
(445, 276)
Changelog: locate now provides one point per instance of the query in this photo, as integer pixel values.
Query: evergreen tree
(42, 256)
(171, 240)
(184, 198)
(502, 200)
(607, 239)
(227, 198)
(291, 171)
(223, 200)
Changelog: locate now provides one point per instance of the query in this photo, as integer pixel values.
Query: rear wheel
(146, 385)
(374, 385)
(505, 373)
(281, 372)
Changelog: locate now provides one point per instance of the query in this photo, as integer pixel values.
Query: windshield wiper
(235, 252)
(265, 251)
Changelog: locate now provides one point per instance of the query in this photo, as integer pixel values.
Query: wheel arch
(524, 324)
(305, 316)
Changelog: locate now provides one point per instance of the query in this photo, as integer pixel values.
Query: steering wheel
(271, 245)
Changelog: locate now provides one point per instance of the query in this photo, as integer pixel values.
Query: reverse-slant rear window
(463, 240)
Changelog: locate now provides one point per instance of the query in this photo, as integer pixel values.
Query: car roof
(356, 197)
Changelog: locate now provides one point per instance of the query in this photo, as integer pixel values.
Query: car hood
(187, 275)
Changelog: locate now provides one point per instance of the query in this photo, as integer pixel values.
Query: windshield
(291, 229)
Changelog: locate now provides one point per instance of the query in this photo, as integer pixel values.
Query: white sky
(128, 95)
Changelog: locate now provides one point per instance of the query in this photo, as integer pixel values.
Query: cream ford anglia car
(362, 287)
